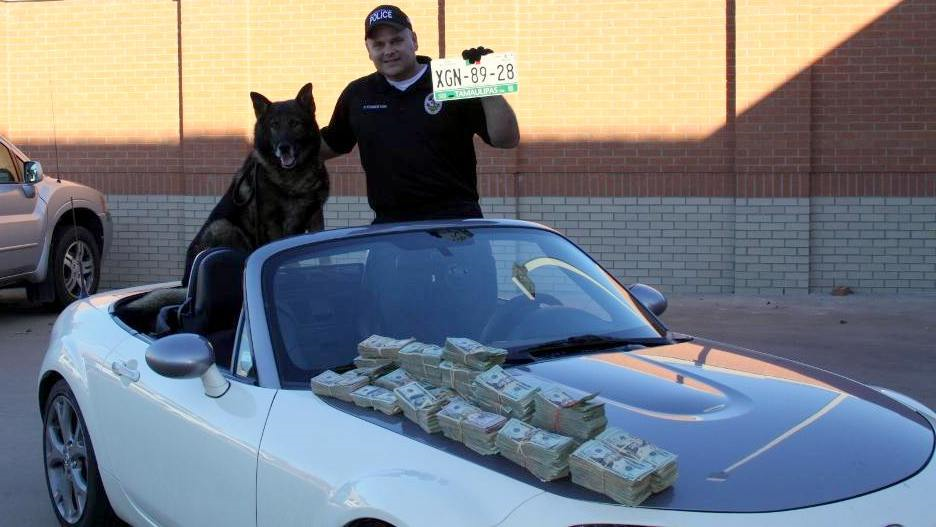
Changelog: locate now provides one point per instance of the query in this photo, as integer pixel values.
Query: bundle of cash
(365, 362)
(394, 379)
(472, 354)
(420, 406)
(373, 372)
(544, 454)
(575, 416)
(339, 385)
(457, 377)
(662, 462)
(375, 397)
(600, 467)
(422, 361)
(442, 393)
(464, 422)
(378, 347)
(497, 391)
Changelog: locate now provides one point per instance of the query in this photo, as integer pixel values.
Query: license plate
(496, 74)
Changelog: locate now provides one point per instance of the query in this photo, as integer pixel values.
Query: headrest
(215, 291)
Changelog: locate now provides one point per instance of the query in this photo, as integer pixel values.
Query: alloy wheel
(78, 268)
(66, 459)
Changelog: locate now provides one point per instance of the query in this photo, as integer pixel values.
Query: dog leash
(254, 192)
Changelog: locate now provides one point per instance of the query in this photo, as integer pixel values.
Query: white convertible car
(201, 413)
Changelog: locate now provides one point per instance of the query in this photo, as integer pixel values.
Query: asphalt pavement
(883, 340)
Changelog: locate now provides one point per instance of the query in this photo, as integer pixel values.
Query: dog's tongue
(287, 159)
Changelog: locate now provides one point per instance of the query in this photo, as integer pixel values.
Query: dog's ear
(304, 97)
(260, 103)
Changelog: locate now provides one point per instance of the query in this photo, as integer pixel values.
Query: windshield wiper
(579, 343)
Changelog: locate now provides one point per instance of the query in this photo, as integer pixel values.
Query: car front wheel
(72, 477)
(75, 265)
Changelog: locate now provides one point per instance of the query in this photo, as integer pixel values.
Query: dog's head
(286, 134)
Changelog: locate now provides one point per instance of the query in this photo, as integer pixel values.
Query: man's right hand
(473, 55)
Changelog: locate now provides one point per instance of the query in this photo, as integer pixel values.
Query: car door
(181, 457)
(21, 218)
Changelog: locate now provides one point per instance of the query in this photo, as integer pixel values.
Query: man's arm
(325, 151)
(502, 126)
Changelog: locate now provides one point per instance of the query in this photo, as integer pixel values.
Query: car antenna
(82, 292)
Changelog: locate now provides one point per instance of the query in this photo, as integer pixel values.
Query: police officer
(418, 153)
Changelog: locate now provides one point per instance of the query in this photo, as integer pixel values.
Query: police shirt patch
(431, 105)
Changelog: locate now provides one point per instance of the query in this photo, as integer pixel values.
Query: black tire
(62, 420)
(73, 245)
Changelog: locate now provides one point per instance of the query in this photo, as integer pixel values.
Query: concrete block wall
(771, 246)
(875, 245)
(679, 245)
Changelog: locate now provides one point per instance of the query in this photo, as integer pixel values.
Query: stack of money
(422, 361)
(365, 362)
(378, 347)
(373, 372)
(339, 385)
(464, 422)
(662, 462)
(544, 454)
(419, 406)
(457, 377)
(597, 466)
(394, 379)
(497, 391)
(442, 393)
(472, 354)
(575, 416)
(375, 397)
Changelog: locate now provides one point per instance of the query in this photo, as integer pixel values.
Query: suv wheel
(75, 265)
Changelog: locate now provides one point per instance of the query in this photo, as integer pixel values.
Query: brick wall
(738, 105)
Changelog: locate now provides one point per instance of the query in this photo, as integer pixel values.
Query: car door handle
(126, 370)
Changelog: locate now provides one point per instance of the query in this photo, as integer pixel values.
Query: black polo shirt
(418, 154)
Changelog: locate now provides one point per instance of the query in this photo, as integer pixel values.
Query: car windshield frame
(325, 243)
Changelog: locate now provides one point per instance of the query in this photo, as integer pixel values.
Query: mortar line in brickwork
(441, 11)
(181, 105)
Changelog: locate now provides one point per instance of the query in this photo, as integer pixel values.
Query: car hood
(753, 432)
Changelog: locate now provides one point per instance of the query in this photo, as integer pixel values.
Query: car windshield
(509, 287)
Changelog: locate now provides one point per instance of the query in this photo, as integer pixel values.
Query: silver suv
(53, 233)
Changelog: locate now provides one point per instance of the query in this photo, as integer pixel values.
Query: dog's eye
(274, 123)
(295, 123)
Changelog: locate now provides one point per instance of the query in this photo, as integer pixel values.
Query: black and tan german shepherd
(281, 187)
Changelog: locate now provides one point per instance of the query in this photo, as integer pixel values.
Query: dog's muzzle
(286, 155)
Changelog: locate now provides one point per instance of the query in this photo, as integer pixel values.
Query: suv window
(8, 169)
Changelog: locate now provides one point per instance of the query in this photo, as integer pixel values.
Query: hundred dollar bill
(499, 392)
(376, 397)
(365, 362)
(544, 454)
(379, 347)
(394, 379)
(599, 467)
(419, 405)
(472, 354)
(338, 385)
(576, 416)
(663, 462)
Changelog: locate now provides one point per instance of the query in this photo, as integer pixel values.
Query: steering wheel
(510, 314)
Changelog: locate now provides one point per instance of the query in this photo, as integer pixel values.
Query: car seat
(214, 300)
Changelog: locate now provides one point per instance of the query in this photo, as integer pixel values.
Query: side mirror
(649, 297)
(32, 172)
(186, 356)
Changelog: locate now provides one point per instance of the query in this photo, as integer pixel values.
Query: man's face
(393, 52)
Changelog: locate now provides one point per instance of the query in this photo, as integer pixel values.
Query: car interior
(209, 306)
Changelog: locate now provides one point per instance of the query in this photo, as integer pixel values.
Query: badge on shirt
(431, 105)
